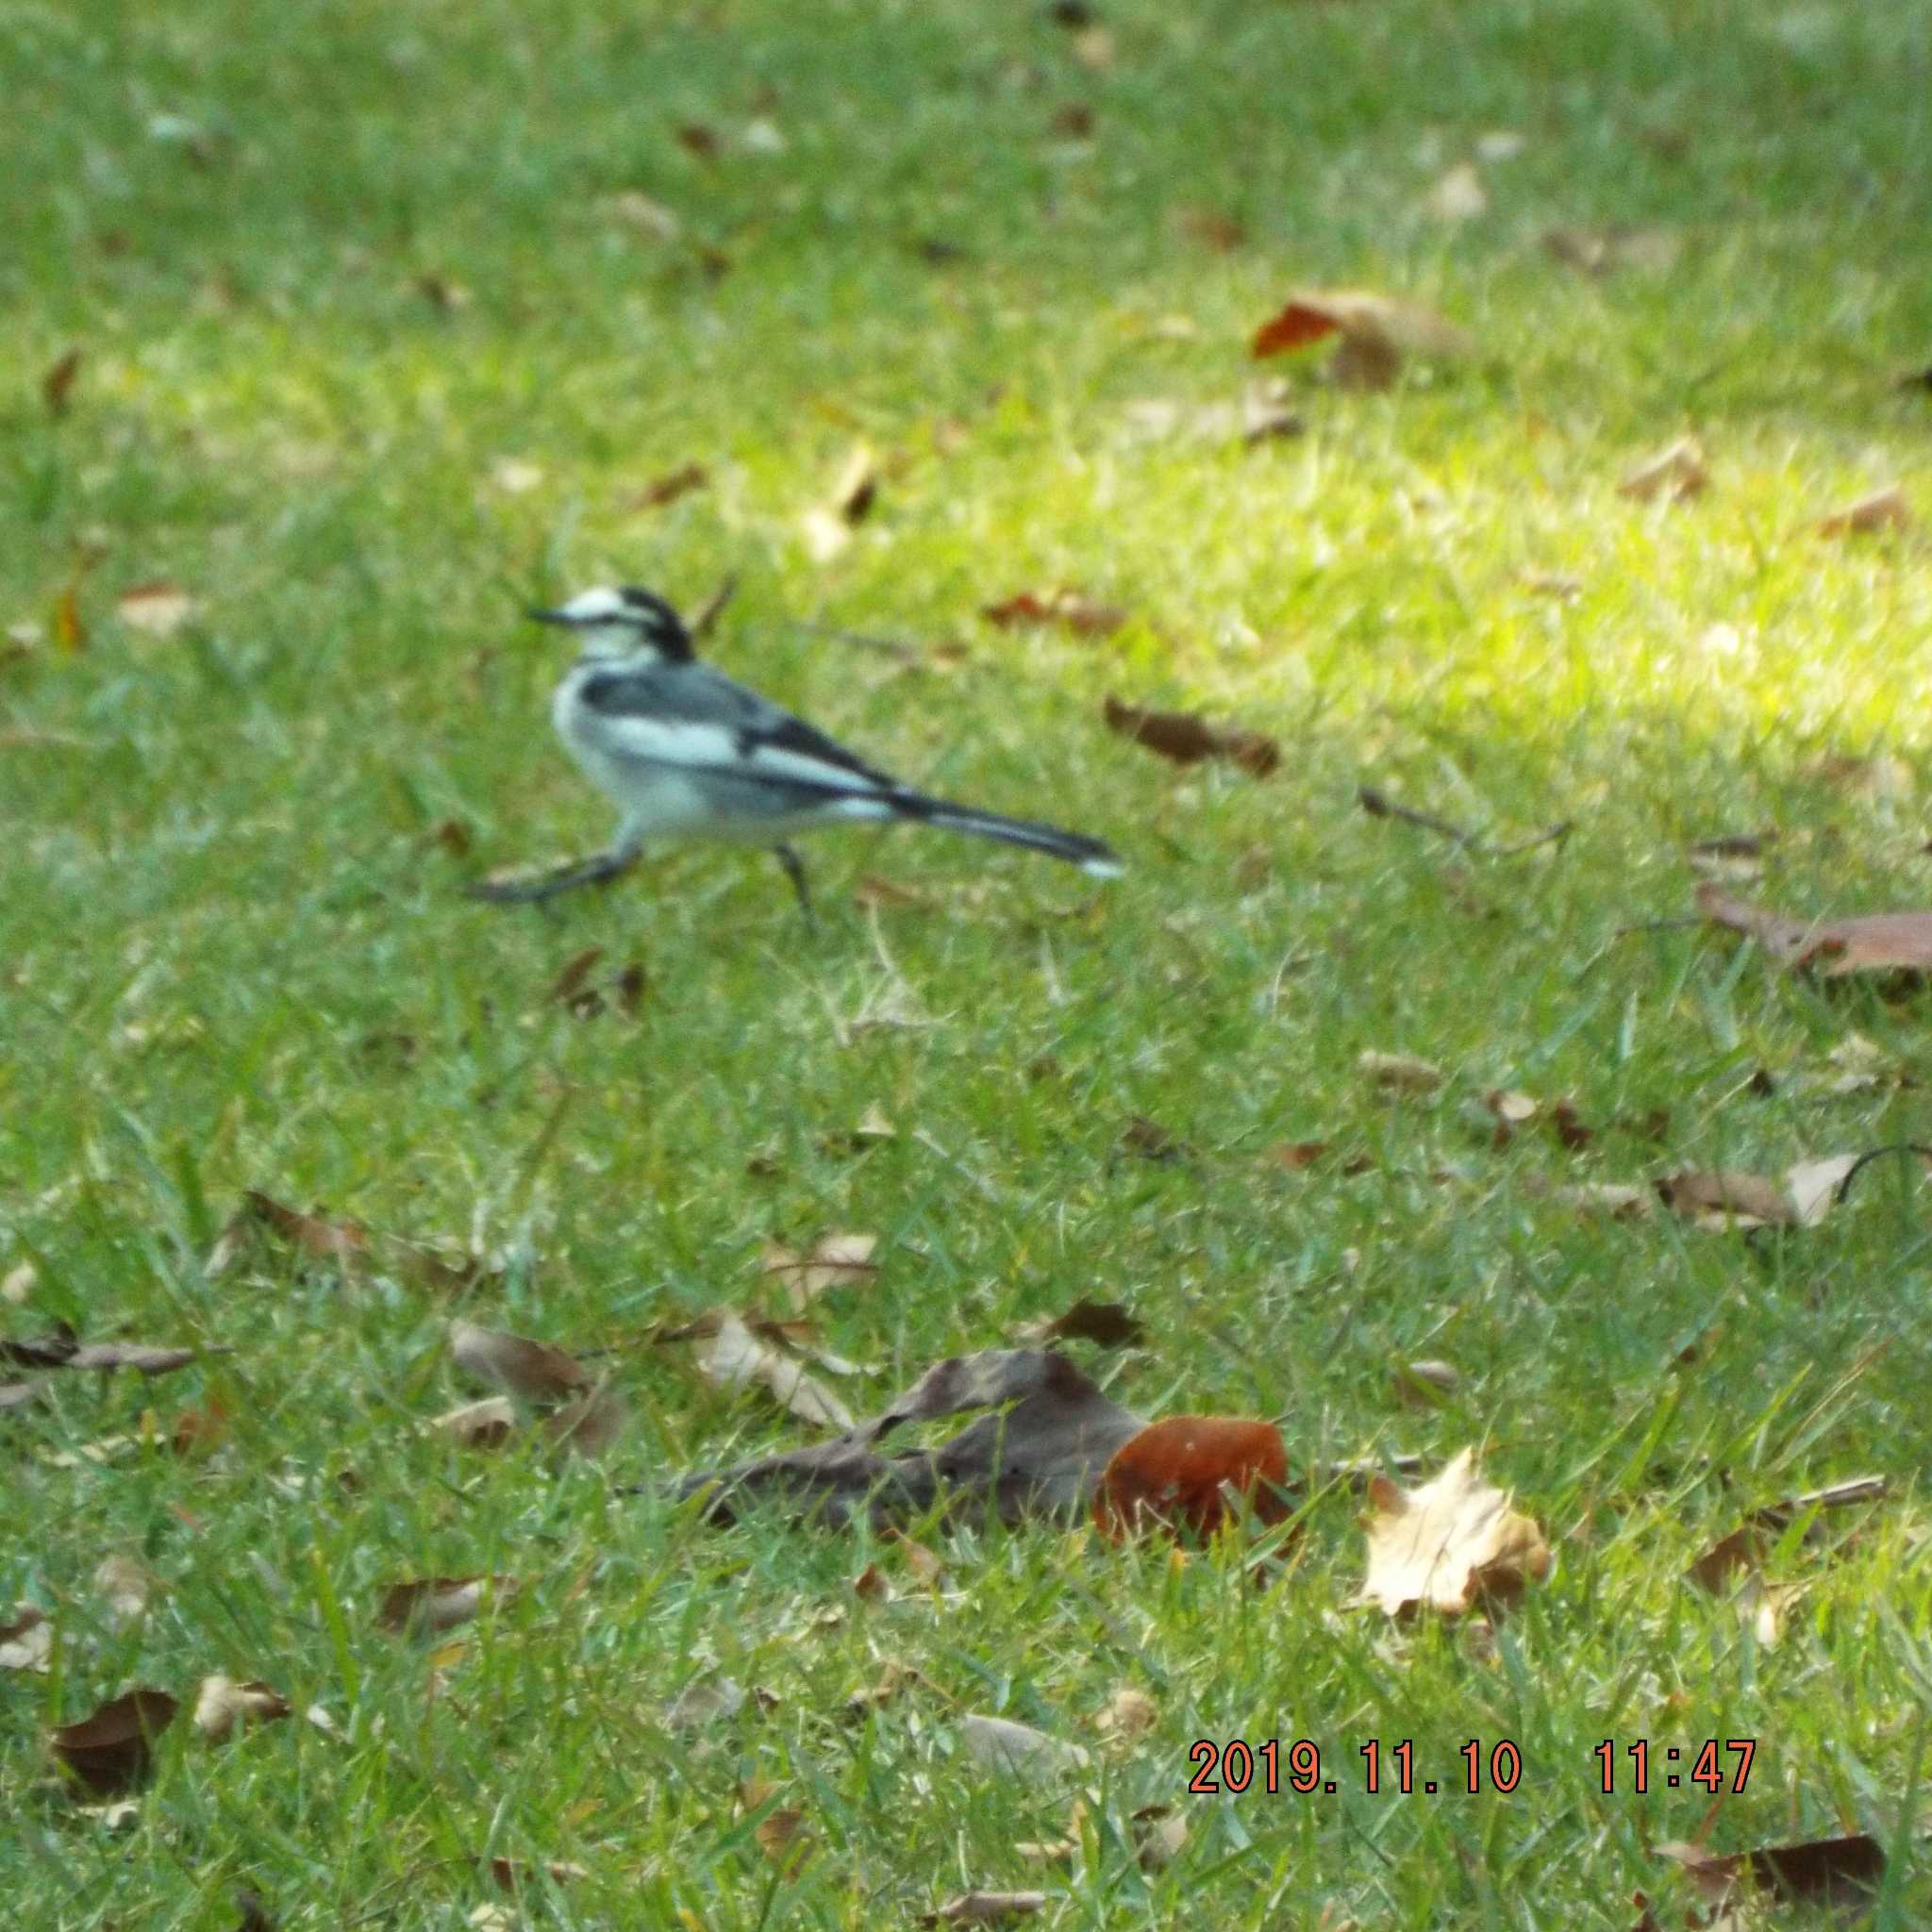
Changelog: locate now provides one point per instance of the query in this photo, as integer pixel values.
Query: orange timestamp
(1267, 1767)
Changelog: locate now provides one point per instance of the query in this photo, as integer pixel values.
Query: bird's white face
(627, 623)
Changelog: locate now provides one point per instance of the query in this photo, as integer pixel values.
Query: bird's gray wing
(694, 717)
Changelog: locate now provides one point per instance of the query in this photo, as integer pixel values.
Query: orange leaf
(1187, 1469)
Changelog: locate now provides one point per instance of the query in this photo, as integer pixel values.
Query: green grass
(233, 954)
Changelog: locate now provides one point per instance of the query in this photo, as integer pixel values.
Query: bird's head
(622, 623)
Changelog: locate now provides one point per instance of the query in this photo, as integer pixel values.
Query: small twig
(892, 647)
(713, 608)
(1844, 1187)
(1379, 804)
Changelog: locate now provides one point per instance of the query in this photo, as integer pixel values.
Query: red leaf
(1187, 1469)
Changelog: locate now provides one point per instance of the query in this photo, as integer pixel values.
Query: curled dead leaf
(440, 1603)
(533, 1370)
(1883, 510)
(1872, 942)
(223, 1703)
(834, 1260)
(1844, 1868)
(1186, 738)
(112, 1750)
(1062, 608)
(1675, 473)
(1193, 1473)
(1375, 332)
(1107, 1325)
(486, 1424)
(1000, 1745)
(1449, 1543)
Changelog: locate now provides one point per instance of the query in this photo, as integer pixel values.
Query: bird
(688, 753)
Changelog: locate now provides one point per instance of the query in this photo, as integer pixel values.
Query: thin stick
(713, 608)
(1379, 804)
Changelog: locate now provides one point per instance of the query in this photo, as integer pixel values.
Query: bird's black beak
(548, 617)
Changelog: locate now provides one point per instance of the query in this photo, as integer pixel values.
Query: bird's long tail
(1092, 856)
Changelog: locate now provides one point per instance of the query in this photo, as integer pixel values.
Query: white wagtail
(687, 753)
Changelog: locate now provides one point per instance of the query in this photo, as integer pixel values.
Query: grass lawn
(383, 337)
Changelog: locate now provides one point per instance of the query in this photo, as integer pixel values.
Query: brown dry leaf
(589, 1425)
(1194, 1471)
(157, 609)
(639, 211)
(732, 1357)
(196, 1431)
(1843, 1869)
(1724, 1198)
(857, 489)
(444, 293)
(112, 1750)
(673, 484)
(1398, 1073)
(1000, 1745)
(697, 138)
(346, 1242)
(1872, 942)
(704, 1703)
(27, 1639)
(57, 385)
(871, 1586)
(514, 1875)
(1062, 608)
(1126, 1717)
(1296, 1155)
(985, 1907)
(924, 1564)
(1883, 509)
(1186, 738)
(486, 1424)
(873, 891)
(1599, 250)
(128, 1585)
(1109, 1324)
(221, 1704)
(533, 1370)
(1160, 1832)
(1042, 1456)
(1448, 1544)
(70, 633)
(1377, 334)
(1459, 195)
(440, 1603)
(782, 1835)
(1675, 473)
(841, 1259)
(142, 1356)
(569, 981)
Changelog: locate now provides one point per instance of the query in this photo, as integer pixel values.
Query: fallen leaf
(1160, 1832)
(1675, 473)
(26, 1641)
(1127, 1716)
(589, 1425)
(514, 1875)
(1398, 1073)
(148, 1359)
(732, 1357)
(673, 484)
(127, 1587)
(569, 981)
(112, 1750)
(314, 1235)
(1186, 738)
(159, 609)
(924, 1564)
(1599, 250)
(444, 294)
(1448, 1544)
(440, 1603)
(486, 1424)
(1725, 1198)
(1883, 510)
(696, 138)
(57, 385)
(834, 1260)
(1459, 195)
(871, 1585)
(639, 211)
(1109, 1324)
(704, 1703)
(1000, 1745)
(1376, 333)
(985, 1907)
(1042, 1456)
(532, 1370)
(254, 1913)
(70, 633)
(1194, 1471)
(782, 1836)
(221, 1704)
(1296, 1155)
(1149, 1140)
(1840, 1869)
(1063, 610)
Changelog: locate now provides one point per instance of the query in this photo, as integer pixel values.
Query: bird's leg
(794, 871)
(599, 871)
